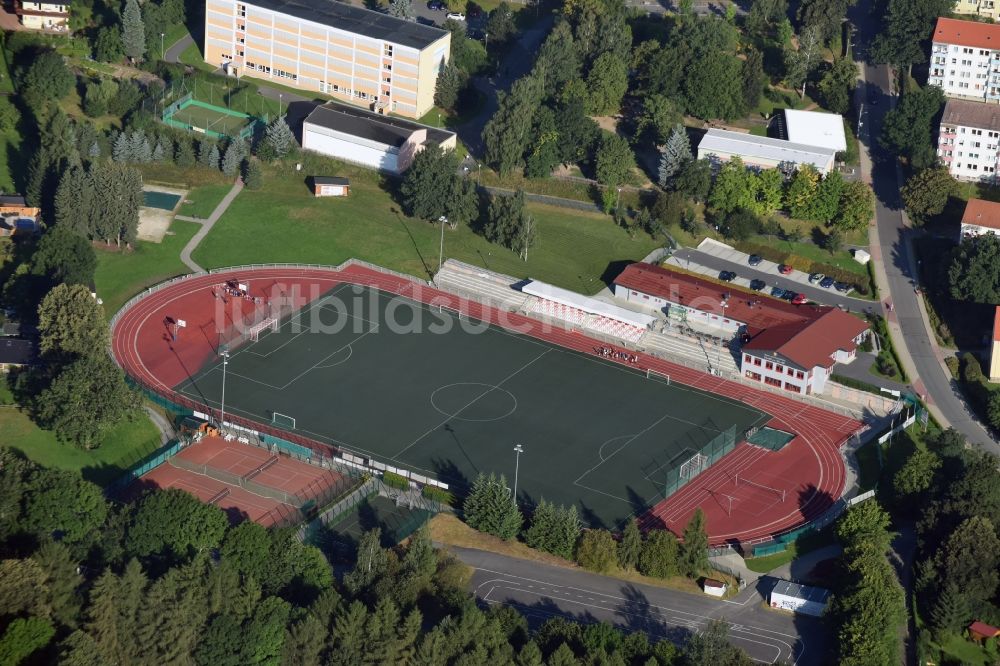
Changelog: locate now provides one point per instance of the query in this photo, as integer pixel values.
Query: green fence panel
(766, 549)
(291, 449)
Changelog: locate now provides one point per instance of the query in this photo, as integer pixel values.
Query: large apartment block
(364, 57)
(969, 139)
(986, 8)
(965, 59)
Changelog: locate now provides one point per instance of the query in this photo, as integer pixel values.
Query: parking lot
(711, 258)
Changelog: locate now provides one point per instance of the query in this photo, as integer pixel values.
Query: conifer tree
(542, 532)
(158, 152)
(675, 152)
(133, 31)
(121, 149)
(490, 508)
(693, 556)
(630, 546)
(95, 150)
(185, 153)
(279, 137)
(232, 158)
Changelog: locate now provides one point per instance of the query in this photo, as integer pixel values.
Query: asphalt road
(814, 293)
(541, 592)
(893, 235)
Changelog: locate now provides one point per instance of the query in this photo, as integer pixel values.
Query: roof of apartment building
(811, 343)
(763, 147)
(967, 33)
(816, 128)
(757, 311)
(971, 114)
(982, 213)
(388, 130)
(357, 20)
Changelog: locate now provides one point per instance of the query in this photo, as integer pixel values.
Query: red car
(784, 269)
(799, 299)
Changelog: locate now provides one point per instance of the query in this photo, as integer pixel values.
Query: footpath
(206, 225)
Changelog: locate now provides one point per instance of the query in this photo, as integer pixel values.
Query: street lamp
(518, 450)
(718, 351)
(224, 353)
(479, 173)
(618, 201)
(443, 220)
(280, 95)
(161, 46)
(486, 45)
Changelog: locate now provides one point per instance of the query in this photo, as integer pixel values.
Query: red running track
(809, 469)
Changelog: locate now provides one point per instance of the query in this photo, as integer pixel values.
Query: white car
(455, 16)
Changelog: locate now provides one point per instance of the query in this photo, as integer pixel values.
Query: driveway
(711, 264)
(891, 248)
(542, 591)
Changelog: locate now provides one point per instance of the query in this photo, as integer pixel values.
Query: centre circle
(474, 401)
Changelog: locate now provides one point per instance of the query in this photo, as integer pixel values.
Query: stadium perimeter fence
(146, 465)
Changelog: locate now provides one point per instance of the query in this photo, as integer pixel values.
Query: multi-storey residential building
(986, 8)
(969, 139)
(367, 58)
(965, 59)
(41, 15)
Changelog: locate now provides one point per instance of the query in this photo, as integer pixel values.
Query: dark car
(727, 276)
(789, 295)
(778, 292)
(757, 285)
(436, 6)
(827, 282)
(843, 287)
(755, 260)
(784, 269)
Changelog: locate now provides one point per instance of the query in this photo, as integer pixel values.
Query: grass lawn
(804, 544)
(6, 81)
(812, 252)
(185, 177)
(283, 222)
(10, 160)
(204, 199)
(192, 56)
(966, 652)
(868, 462)
(123, 446)
(552, 187)
(121, 275)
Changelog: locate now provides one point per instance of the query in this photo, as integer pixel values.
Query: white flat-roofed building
(369, 139)
(815, 128)
(763, 152)
(968, 139)
(369, 58)
(790, 596)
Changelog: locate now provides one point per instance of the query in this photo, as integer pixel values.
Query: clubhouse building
(790, 347)
(364, 57)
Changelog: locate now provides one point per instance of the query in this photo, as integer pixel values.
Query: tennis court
(404, 384)
(340, 539)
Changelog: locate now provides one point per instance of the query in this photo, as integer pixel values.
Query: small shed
(804, 599)
(862, 257)
(324, 186)
(980, 631)
(713, 587)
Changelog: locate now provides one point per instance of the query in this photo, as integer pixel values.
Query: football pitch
(407, 385)
(210, 119)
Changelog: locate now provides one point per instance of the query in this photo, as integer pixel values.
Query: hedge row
(396, 481)
(859, 282)
(436, 494)
(856, 384)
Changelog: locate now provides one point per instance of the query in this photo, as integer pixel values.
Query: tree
(658, 557)
(614, 163)
(909, 129)
(500, 25)
(694, 179)
(63, 256)
(904, 33)
(916, 474)
(58, 502)
(490, 508)
(971, 558)
(108, 46)
(734, 187)
(71, 324)
(174, 524)
(121, 149)
(753, 77)
(837, 85)
(607, 83)
(764, 15)
(232, 158)
(86, 399)
(657, 120)
(23, 637)
(740, 224)
(630, 546)
(402, 9)
(46, 79)
(541, 533)
(693, 555)
(370, 563)
(61, 581)
(504, 134)
(713, 86)
(801, 192)
(712, 646)
(856, 208)
(432, 189)
(825, 15)
(675, 153)
(865, 524)
(133, 31)
(597, 551)
(9, 115)
(279, 137)
(926, 194)
(950, 611)
(252, 177)
(451, 81)
(509, 223)
(800, 63)
(824, 205)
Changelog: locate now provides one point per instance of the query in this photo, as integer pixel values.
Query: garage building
(804, 599)
(369, 139)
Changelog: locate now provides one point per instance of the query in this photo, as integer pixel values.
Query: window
(388, 79)
(756, 362)
(789, 372)
(769, 365)
(746, 357)
(770, 381)
(799, 374)
(792, 387)
(388, 50)
(753, 375)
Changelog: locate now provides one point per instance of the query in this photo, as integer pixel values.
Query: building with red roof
(980, 631)
(792, 347)
(980, 217)
(995, 347)
(962, 58)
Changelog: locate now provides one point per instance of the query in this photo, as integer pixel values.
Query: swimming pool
(162, 200)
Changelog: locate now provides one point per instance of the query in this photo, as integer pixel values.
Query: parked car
(455, 16)
(843, 287)
(827, 282)
(436, 6)
(727, 276)
(815, 277)
(799, 299)
(784, 269)
(757, 285)
(755, 260)
(778, 292)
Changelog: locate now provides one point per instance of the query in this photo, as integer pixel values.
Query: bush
(597, 551)
(766, 251)
(972, 372)
(886, 364)
(857, 384)
(394, 480)
(435, 494)
(952, 363)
